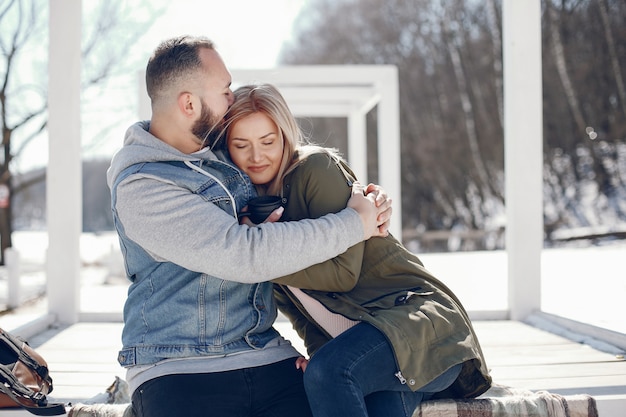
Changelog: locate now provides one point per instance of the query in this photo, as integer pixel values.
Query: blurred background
(449, 57)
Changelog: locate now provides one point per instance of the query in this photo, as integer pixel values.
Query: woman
(383, 334)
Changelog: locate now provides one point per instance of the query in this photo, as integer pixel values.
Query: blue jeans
(273, 390)
(353, 375)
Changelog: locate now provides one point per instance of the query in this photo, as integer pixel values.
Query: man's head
(189, 88)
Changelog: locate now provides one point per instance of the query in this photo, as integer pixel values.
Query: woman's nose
(256, 154)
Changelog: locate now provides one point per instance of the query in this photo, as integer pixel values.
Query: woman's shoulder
(312, 156)
(321, 168)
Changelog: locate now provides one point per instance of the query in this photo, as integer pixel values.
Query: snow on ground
(585, 284)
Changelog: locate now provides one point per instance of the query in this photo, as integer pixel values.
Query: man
(198, 337)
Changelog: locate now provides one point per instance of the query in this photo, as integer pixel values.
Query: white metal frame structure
(64, 173)
(523, 153)
(349, 91)
(357, 95)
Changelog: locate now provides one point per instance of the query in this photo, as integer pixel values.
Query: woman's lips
(257, 169)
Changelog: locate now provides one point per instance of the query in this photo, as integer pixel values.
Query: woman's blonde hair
(266, 98)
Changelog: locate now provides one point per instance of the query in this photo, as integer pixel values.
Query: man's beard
(207, 127)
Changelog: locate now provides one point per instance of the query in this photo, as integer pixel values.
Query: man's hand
(366, 206)
(384, 218)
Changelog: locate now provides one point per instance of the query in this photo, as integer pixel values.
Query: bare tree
(562, 67)
(449, 57)
(494, 24)
(109, 30)
(613, 55)
(584, 117)
(453, 47)
(451, 131)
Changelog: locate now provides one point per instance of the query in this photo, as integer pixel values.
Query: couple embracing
(382, 333)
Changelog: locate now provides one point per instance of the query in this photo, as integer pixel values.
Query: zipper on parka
(400, 377)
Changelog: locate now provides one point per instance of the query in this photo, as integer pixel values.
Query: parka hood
(141, 146)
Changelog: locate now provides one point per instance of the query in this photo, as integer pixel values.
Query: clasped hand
(371, 202)
(374, 207)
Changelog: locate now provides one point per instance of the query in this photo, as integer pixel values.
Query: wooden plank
(613, 385)
(563, 370)
(82, 359)
(514, 333)
(551, 354)
(68, 366)
(76, 379)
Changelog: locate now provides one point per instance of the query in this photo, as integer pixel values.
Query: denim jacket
(172, 312)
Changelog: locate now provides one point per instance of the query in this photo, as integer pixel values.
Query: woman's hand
(301, 363)
(273, 217)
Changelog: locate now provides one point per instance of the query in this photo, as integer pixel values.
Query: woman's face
(256, 147)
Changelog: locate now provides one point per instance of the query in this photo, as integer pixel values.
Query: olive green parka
(379, 282)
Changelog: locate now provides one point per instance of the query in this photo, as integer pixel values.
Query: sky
(248, 34)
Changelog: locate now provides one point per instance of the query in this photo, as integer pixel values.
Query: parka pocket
(397, 298)
(406, 298)
(344, 304)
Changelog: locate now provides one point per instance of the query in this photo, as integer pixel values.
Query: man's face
(207, 127)
(215, 97)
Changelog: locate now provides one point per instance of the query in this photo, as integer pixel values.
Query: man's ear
(186, 104)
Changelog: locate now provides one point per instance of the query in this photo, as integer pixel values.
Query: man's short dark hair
(172, 59)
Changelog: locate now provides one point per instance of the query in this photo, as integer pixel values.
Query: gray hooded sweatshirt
(175, 225)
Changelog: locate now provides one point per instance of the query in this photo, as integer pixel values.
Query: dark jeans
(274, 390)
(353, 375)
